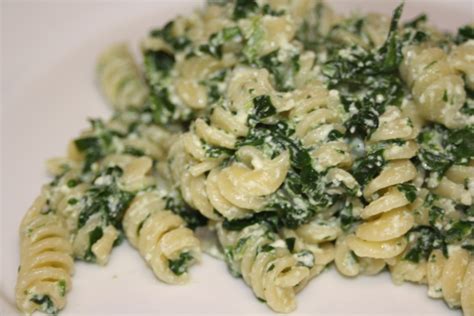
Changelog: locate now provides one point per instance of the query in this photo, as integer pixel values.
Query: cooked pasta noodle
(290, 136)
(267, 266)
(120, 78)
(46, 262)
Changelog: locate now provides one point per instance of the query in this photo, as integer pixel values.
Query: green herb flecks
(180, 265)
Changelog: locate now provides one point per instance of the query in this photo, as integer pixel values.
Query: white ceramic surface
(48, 90)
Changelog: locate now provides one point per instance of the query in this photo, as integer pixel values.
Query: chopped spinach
(414, 23)
(105, 198)
(94, 236)
(347, 217)
(290, 243)
(180, 265)
(459, 231)
(368, 167)
(422, 241)
(166, 33)
(263, 107)
(283, 72)
(192, 217)
(62, 288)
(269, 218)
(243, 8)
(465, 33)
(408, 190)
(46, 304)
(216, 41)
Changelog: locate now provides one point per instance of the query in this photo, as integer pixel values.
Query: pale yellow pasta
(46, 262)
(393, 173)
(390, 225)
(403, 270)
(120, 79)
(467, 291)
(392, 124)
(136, 171)
(454, 191)
(160, 236)
(436, 87)
(272, 274)
(376, 249)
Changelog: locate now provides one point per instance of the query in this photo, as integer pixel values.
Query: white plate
(48, 90)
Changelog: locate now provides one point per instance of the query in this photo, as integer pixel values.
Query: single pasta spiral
(120, 78)
(387, 216)
(315, 117)
(46, 262)
(161, 237)
(435, 85)
(461, 59)
(452, 278)
(266, 265)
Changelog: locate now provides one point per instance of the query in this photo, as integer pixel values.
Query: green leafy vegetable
(465, 33)
(180, 265)
(369, 167)
(408, 190)
(94, 236)
(45, 303)
(192, 218)
(166, 33)
(423, 240)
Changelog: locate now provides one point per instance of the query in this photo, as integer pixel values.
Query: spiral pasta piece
(266, 265)
(436, 87)
(161, 237)
(461, 59)
(120, 79)
(46, 263)
(452, 278)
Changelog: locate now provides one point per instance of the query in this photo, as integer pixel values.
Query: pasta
(267, 266)
(289, 137)
(120, 79)
(46, 263)
(161, 237)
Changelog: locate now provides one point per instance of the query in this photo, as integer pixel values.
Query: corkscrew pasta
(161, 237)
(46, 262)
(293, 136)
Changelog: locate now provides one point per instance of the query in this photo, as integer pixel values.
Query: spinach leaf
(46, 304)
(94, 236)
(465, 33)
(461, 144)
(459, 231)
(423, 240)
(408, 190)
(192, 217)
(369, 167)
(263, 107)
(216, 41)
(106, 198)
(159, 61)
(270, 218)
(180, 265)
(243, 8)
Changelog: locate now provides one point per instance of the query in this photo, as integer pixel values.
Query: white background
(48, 89)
